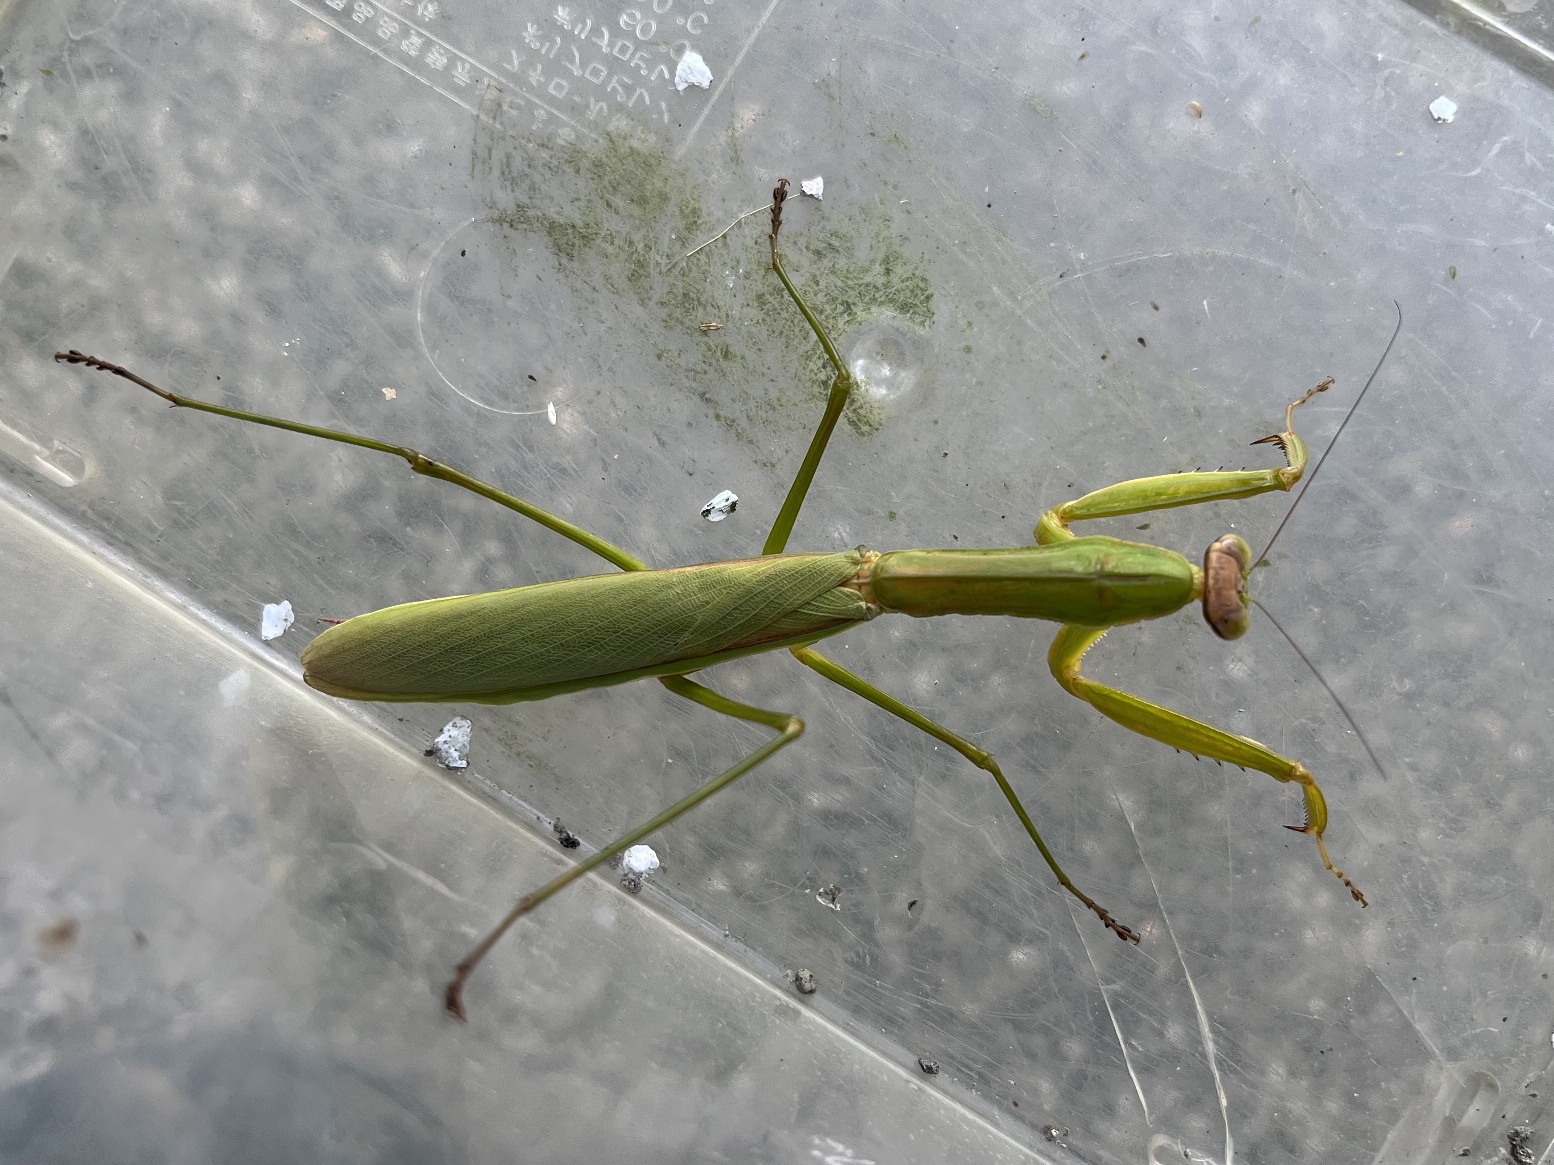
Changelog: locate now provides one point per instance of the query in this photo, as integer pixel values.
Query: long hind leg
(788, 728)
(418, 462)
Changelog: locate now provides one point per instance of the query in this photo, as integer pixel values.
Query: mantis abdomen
(533, 642)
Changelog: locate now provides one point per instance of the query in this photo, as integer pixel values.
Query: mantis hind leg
(1188, 735)
(418, 462)
(789, 729)
(977, 756)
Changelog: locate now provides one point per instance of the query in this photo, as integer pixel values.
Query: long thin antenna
(1321, 461)
(1321, 679)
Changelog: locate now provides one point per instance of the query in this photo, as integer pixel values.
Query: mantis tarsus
(543, 640)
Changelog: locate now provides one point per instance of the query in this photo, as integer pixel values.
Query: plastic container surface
(1064, 248)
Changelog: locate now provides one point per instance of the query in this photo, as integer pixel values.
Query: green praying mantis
(547, 639)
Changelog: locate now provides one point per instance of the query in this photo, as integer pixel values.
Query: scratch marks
(1106, 998)
(1205, 1031)
(1489, 157)
(383, 857)
(728, 75)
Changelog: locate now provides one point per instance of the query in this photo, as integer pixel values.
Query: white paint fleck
(636, 864)
(826, 1150)
(639, 860)
(451, 748)
(389, 394)
(234, 687)
(550, 411)
(814, 187)
(721, 506)
(692, 70)
(275, 619)
(1443, 109)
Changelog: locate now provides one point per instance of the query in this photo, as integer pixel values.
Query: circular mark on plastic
(886, 359)
(494, 318)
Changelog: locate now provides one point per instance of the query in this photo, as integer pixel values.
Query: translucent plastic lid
(1063, 248)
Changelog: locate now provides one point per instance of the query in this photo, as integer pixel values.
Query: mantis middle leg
(841, 389)
(777, 541)
(980, 757)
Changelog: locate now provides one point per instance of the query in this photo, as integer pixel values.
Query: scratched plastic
(463, 226)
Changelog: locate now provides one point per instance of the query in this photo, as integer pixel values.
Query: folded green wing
(532, 642)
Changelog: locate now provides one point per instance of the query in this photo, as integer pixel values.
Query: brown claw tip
(779, 192)
(453, 1003)
(1297, 828)
(1273, 439)
(1126, 934)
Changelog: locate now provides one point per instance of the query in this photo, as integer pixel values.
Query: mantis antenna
(1262, 559)
(1321, 679)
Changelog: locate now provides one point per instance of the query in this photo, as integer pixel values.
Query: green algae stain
(620, 217)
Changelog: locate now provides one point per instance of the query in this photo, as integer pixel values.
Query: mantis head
(1227, 564)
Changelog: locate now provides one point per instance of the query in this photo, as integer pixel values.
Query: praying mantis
(548, 639)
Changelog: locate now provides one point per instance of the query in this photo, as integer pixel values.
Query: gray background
(270, 888)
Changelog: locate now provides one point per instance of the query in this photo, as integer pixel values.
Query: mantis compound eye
(1226, 564)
